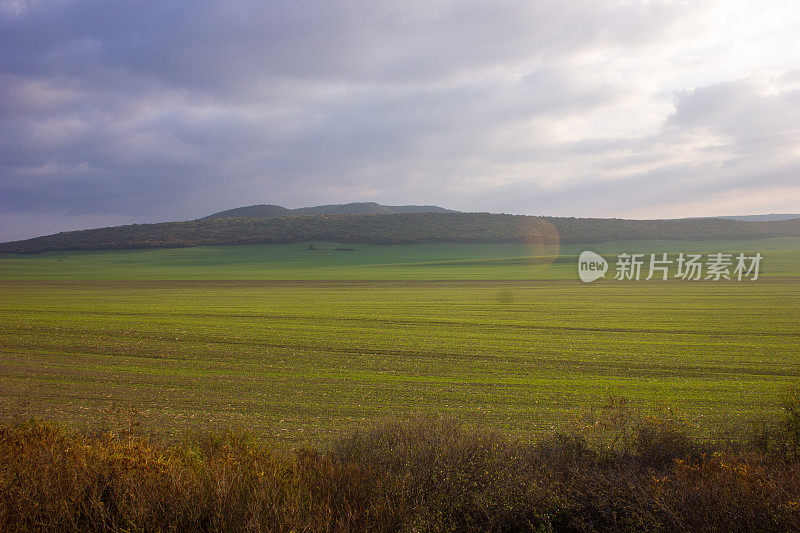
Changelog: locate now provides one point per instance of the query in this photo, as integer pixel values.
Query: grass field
(300, 344)
(363, 261)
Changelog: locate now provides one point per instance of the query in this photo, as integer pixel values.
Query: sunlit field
(300, 345)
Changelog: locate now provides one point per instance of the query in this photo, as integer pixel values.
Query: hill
(252, 211)
(369, 208)
(355, 208)
(772, 217)
(401, 228)
(763, 218)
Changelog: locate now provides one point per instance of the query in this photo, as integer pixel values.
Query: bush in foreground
(426, 475)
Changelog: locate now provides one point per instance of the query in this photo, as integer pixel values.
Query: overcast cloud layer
(117, 112)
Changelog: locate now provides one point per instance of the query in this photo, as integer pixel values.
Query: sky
(118, 112)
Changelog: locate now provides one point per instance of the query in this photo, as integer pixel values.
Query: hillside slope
(355, 208)
(252, 211)
(369, 208)
(404, 228)
(763, 218)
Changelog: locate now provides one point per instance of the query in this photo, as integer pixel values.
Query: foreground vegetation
(646, 474)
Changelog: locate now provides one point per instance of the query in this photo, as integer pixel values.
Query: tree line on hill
(400, 228)
(354, 208)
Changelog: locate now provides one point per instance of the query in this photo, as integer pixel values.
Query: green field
(300, 344)
(364, 261)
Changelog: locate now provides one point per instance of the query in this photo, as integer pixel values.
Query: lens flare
(541, 240)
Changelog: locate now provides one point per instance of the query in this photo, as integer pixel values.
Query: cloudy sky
(115, 112)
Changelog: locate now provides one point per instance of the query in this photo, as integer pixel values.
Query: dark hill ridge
(356, 208)
(252, 211)
(369, 208)
(762, 218)
(401, 228)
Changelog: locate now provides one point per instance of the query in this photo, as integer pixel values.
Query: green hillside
(402, 228)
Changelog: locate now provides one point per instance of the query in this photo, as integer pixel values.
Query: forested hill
(404, 228)
(355, 208)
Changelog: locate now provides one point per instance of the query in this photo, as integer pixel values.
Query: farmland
(298, 345)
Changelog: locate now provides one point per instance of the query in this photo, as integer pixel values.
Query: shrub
(791, 419)
(429, 474)
(660, 442)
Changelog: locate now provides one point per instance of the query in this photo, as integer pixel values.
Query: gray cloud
(735, 110)
(147, 111)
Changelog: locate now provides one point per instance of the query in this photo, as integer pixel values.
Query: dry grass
(427, 475)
